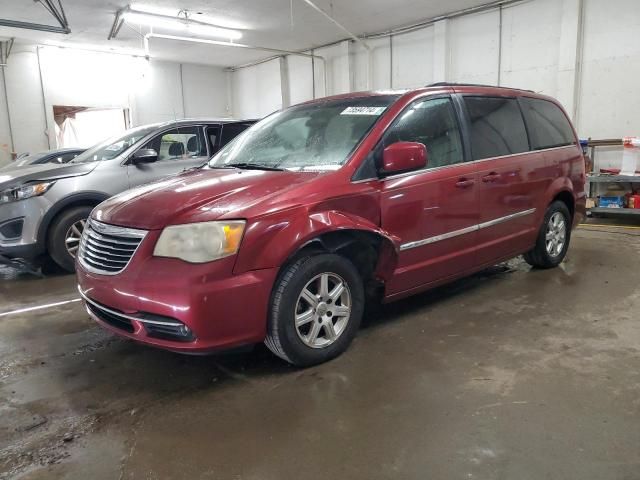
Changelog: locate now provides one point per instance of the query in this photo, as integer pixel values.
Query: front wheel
(316, 310)
(553, 239)
(65, 234)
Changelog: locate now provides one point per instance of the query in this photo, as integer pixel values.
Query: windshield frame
(389, 98)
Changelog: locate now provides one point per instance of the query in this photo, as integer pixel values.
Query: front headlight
(200, 242)
(25, 191)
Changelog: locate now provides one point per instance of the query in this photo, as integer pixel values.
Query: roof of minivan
(441, 86)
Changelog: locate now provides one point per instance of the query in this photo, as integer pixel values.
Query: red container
(634, 201)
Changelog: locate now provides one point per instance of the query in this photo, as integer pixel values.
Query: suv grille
(107, 249)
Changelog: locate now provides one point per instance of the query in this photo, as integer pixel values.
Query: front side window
(318, 136)
(548, 126)
(179, 144)
(66, 157)
(432, 123)
(497, 127)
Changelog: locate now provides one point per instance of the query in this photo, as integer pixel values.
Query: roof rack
(453, 84)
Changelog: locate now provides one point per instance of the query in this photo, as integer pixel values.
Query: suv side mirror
(144, 155)
(403, 157)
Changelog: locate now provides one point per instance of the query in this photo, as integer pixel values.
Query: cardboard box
(611, 202)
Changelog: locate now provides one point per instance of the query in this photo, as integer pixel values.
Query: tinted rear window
(232, 130)
(497, 127)
(548, 126)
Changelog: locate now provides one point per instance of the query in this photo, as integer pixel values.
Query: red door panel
(435, 213)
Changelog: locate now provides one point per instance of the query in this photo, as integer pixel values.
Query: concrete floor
(510, 374)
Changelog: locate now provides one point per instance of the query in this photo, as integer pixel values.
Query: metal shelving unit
(606, 178)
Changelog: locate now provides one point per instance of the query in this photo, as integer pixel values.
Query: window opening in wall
(78, 126)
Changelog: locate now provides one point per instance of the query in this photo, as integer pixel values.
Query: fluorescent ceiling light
(180, 24)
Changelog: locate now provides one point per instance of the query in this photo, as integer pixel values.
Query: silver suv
(43, 208)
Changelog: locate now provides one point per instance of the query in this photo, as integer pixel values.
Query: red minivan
(294, 225)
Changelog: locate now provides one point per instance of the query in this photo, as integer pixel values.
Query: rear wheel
(316, 310)
(65, 234)
(553, 239)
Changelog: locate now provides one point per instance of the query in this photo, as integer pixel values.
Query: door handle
(492, 177)
(465, 183)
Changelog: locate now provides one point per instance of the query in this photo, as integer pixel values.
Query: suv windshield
(114, 146)
(317, 136)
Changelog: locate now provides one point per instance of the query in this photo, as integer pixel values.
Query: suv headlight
(24, 191)
(200, 242)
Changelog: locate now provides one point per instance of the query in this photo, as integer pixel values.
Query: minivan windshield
(114, 146)
(314, 137)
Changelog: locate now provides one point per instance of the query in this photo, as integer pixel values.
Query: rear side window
(497, 127)
(432, 123)
(232, 130)
(548, 125)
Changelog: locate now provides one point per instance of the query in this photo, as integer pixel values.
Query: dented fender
(268, 242)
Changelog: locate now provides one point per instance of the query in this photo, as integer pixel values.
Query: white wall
(5, 136)
(205, 91)
(25, 101)
(532, 45)
(610, 93)
(37, 78)
(473, 48)
(300, 79)
(412, 59)
(257, 90)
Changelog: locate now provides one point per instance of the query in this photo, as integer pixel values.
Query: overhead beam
(54, 8)
(117, 24)
(33, 26)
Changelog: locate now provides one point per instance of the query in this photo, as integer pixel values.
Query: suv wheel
(64, 236)
(316, 310)
(553, 239)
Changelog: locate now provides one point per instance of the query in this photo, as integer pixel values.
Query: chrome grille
(107, 249)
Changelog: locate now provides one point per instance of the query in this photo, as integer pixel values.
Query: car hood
(198, 196)
(47, 171)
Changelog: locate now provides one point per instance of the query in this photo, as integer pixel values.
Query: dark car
(306, 215)
(61, 155)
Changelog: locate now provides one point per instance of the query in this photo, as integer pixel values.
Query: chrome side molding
(463, 231)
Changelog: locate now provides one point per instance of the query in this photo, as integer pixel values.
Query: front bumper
(211, 306)
(28, 214)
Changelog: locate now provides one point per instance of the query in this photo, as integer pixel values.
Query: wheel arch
(560, 189)
(567, 198)
(81, 199)
(373, 251)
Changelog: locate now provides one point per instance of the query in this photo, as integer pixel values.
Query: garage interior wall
(535, 44)
(39, 77)
(5, 129)
(586, 53)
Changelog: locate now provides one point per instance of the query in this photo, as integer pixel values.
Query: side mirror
(144, 155)
(403, 157)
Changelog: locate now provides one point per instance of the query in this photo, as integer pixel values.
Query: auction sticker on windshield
(363, 111)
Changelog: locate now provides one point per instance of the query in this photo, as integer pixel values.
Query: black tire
(283, 338)
(56, 240)
(539, 256)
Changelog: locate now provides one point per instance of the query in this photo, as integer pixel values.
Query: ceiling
(268, 23)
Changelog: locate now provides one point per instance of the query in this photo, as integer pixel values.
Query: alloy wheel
(556, 235)
(323, 310)
(73, 236)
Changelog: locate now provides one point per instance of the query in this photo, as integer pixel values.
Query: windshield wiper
(254, 166)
